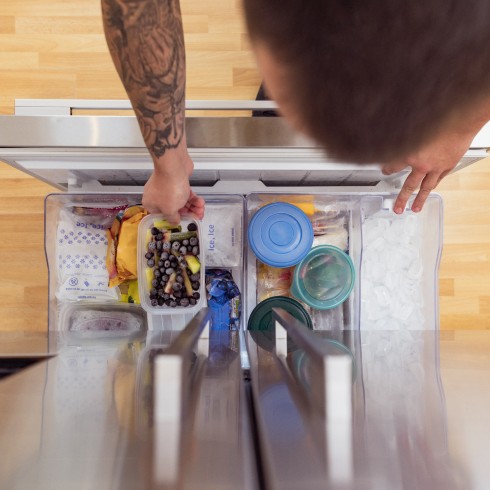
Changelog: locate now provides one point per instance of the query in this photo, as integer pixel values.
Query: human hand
(429, 166)
(168, 190)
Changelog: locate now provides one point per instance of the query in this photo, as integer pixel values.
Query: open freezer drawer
(104, 159)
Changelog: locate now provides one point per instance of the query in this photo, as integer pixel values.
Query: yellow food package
(304, 202)
(121, 260)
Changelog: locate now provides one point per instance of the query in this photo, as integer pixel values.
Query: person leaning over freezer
(388, 81)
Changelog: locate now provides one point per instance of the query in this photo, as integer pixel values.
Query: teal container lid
(325, 277)
(261, 316)
(280, 234)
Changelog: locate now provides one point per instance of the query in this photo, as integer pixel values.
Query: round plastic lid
(261, 316)
(280, 234)
(325, 277)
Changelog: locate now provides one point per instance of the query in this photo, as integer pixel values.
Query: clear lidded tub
(324, 278)
(171, 280)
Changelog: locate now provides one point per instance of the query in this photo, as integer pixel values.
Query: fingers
(426, 187)
(426, 182)
(173, 219)
(411, 184)
(393, 168)
(194, 207)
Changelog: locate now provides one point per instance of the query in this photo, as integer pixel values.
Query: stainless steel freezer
(357, 402)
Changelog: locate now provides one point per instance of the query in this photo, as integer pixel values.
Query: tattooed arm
(146, 41)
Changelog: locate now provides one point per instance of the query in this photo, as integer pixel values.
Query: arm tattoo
(146, 41)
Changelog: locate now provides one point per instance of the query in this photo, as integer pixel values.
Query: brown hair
(375, 79)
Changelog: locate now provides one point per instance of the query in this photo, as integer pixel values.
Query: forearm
(146, 41)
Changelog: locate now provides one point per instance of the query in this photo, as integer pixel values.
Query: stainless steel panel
(398, 425)
(123, 132)
(72, 422)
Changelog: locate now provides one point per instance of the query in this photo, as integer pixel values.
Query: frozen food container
(354, 402)
(185, 260)
(96, 322)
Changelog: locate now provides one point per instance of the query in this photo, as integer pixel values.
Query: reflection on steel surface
(398, 419)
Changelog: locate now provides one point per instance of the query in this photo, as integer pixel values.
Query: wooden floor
(56, 49)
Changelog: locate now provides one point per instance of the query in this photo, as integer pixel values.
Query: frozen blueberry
(184, 302)
(178, 294)
(180, 279)
(159, 245)
(155, 231)
(154, 283)
(193, 241)
(161, 301)
(192, 301)
(185, 242)
(152, 246)
(183, 250)
(166, 264)
(176, 245)
(195, 250)
(173, 304)
(168, 301)
(164, 278)
(148, 255)
(150, 263)
(192, 227)
(166, 296)
(154, 302)
(157, 274)
(196, 296)
(189, 249)
(160, 236)
(177, 286)
(169, 270)
(196, 285)
(194, 277)
(164, 256)
(166, 246)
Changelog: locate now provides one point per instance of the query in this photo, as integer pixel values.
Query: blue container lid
(280, 234)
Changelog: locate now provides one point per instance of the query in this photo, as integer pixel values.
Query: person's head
(372, 80)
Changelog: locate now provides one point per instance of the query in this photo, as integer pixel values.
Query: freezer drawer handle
(171, 393)
(333, 374)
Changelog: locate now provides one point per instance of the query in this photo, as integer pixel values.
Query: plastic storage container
(146, 273)
(280, 234)
(86, 322)
(324, 278)
(261, 317)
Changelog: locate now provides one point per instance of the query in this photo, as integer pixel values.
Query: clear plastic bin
(145, 274)
(83, 323)
(335, 213)
(400, 265)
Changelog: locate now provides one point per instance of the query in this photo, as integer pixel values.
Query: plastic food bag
(81, 248)
(223, 300)
(273, 281)
(121, 260)
(330, 228)
(222, 234)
